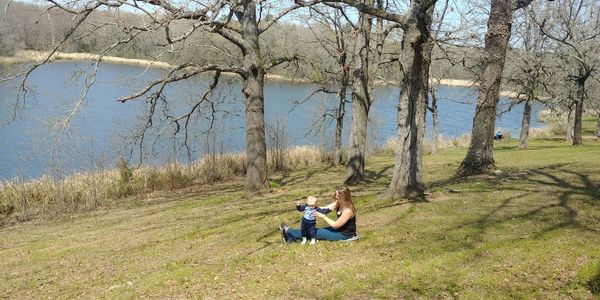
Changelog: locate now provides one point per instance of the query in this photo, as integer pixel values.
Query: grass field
(531, 231)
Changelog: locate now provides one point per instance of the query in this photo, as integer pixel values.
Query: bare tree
(415, 59)
(368, 50)
(361, 100)
(278, 141)
(480, 154)
(574, 25)
(237, 23)
(443, 36)
(532, 68)
(333, 35)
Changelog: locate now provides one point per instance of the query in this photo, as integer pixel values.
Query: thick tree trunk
(415, 60)
(570, 124)
(357, 144)
(480, 155)
(526, 121)
(361, 103)
(435, 119)
(256, 147)
(577, 140)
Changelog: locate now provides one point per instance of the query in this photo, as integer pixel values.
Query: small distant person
(498, 135)
(309, 223)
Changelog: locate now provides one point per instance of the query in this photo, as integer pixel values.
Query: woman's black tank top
(348, 229)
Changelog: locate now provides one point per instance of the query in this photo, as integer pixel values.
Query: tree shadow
(552, 139)
(373, 177)
(288, 179)
(549, 178)
(498, 179)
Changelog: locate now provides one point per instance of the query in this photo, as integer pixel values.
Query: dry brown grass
(442, 143)
(46, 197)
(542, 132)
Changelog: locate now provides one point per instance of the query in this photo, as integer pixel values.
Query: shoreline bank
(31, 56)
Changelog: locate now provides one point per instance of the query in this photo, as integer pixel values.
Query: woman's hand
(317, 214)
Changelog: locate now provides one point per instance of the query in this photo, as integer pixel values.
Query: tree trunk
(355, 164)
(435, 119)
(339, 126)
(256, 147)
(361, 103)
(480, 155)
(526, 121)
(577, 140)
(570, 123)
(415, 60)
(598, 126)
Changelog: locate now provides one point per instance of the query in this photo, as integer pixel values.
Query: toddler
(309, 224)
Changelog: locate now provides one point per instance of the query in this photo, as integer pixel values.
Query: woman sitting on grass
(343, 228)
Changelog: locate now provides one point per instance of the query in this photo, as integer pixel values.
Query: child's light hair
(311, 200)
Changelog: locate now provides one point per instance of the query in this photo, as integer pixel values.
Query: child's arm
(323, 210)
(300, 207)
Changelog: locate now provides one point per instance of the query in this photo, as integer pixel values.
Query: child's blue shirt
(308, 211)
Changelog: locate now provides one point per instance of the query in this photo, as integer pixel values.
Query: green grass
(531, 231)
(589, 125)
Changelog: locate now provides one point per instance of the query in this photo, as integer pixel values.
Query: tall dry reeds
(47, 197)
(557, 121)
(442, 143)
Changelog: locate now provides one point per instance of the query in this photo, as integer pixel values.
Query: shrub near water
(47, 197)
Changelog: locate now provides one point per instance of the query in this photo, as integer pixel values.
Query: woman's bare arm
(347, 214)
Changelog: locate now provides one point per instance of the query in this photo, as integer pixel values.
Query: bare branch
(192, 70)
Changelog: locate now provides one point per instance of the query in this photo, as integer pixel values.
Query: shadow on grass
(373, 177)
(287, 179)
(551, 178)
(534, 147)
(552, 139)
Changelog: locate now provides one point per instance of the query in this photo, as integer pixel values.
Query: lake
(33, 144)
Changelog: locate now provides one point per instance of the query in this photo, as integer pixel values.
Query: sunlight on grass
(530, 231)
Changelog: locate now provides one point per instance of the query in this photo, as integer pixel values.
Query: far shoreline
(31, 56)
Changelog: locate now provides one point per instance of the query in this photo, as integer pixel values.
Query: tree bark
(577, 139)
(526, 121)
(256, 147)
(435, 119)
(570, 124)
(598, 126)
(339, 124)
(361, 103)
(480, 155)
(415, 61)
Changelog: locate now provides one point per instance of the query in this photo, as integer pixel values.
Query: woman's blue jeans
(327, 233)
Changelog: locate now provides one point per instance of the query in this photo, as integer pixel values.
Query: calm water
(101, 131)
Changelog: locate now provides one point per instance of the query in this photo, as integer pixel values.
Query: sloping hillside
(532, 230)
